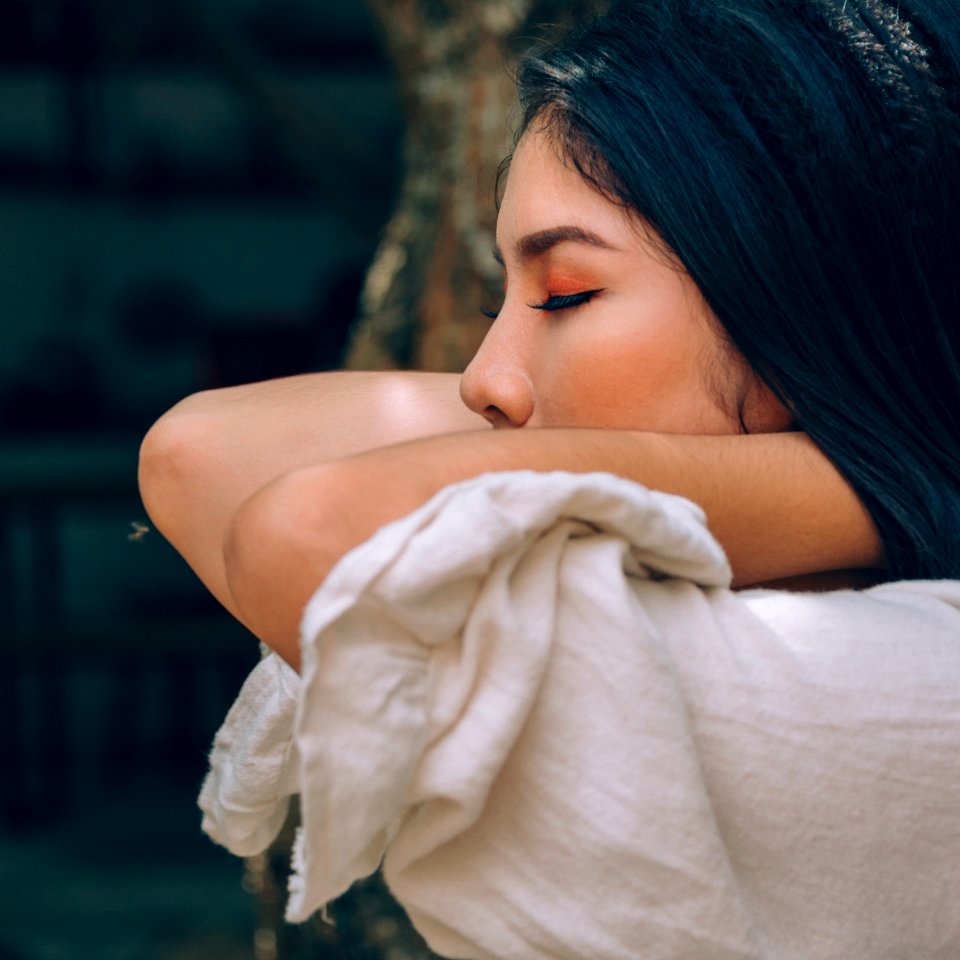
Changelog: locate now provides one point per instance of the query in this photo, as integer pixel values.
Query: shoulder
(904, 618)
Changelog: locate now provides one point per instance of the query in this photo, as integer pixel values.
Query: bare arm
(213, 450)
(773, 501)
(292, 473)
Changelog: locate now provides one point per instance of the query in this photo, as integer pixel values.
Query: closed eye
(561, 301)
(565, 301)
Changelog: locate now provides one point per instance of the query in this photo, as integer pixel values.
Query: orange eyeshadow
(560, 286)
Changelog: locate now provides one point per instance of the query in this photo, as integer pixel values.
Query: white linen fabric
(253, 763)
(537, 700)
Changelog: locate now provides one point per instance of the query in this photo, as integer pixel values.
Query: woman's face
(598, 328)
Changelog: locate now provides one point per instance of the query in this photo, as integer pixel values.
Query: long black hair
(800, 159)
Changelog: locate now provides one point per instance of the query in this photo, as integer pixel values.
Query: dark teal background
(176, 213)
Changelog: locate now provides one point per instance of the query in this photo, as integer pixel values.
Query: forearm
(212, 451)
(776, 505)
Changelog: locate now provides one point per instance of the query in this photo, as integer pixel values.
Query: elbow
(174, 455)
(277, 551)
(257, 545)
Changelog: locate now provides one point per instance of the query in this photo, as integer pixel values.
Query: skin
(263, 488)
(642, 352)
(215, 450)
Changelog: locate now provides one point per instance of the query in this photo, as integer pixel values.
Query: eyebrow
(536, 244)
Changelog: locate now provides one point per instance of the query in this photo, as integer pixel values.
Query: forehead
(542, 191)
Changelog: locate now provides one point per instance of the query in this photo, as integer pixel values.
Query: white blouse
(538, 702)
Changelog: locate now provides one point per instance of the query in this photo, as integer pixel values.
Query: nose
(497, 383)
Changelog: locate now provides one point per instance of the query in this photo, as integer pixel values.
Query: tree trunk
(433, 270)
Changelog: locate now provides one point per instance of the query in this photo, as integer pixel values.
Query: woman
(729, 220)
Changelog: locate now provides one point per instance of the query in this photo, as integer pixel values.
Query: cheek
(645, 376)
(605, 379)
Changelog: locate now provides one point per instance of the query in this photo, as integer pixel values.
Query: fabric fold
(538, 704)
(426, 650)
(254, 768)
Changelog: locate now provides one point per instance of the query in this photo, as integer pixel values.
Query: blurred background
(193, 194)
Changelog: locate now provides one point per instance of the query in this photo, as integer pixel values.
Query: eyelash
(565, 301)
